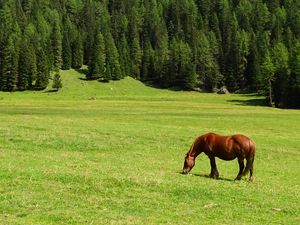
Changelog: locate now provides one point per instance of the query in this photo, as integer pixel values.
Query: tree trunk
(270, 93)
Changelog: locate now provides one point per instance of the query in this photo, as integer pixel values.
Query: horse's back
(228, 147)
(219, 146)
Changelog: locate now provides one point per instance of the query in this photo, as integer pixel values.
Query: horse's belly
(225, 155)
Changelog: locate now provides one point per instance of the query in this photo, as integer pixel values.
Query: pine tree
(43, 72)
(6, 22)
(215, 26)
(77, 52)
(244, 13)
(66, 52)
(293, 87)
(161, 61)
(147, 62)
(241, 59)
(27, 66)
(263, 48)
(57, 44)
(66, 43)
(113, 68)
(280, 58)
(278, 24)
(90, 24)
(9, 48)
(181, 67)
(26, 5)
(57, 83)
(215, 52)
(125, 59)
(9, 66)
(20, 15)
(206, 65)
(136, 57)
(268, 69)
(225, 20)
(97, 64)
(252, 72)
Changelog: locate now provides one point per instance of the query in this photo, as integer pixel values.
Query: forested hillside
(246, 45)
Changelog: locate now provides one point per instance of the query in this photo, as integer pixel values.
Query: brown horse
(224, 147)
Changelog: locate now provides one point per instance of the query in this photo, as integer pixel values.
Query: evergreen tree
(215, 26)
(113, 68)
(26, 5)
(20, 15)
(124, 52)
(182, 68)
(77, 52)
(280, 58)
(263, 48)
(66, 53)
(261, 17)
(6, 22)
(57, 83)
(66, 44)
(9, 66)
(97, 64)
(136, 57)
(89, 26)
(57, 44)
(27, 66)
(206, 62)
(241, 58)
(278, 23)
(252, 72)
(161, 61)
(43, 72)
(148, 62)
(244, 13)
(268, 70)
(293, 87)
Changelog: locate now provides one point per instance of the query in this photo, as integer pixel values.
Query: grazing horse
(224, 147)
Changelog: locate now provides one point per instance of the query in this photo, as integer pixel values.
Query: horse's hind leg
(251, 171)
(249, 167)
(242, 166)
(214, 171)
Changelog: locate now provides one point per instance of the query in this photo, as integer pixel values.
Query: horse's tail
(250, 157)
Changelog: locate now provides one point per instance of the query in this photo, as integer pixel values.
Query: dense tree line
(246, 45)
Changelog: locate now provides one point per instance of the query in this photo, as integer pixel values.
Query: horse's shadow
(207, 176)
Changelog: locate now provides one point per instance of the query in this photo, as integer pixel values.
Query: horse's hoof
(214, 176)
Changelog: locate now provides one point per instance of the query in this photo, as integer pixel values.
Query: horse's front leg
(214, 171)
(242, 166)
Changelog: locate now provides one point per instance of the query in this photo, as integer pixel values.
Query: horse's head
(189, 163)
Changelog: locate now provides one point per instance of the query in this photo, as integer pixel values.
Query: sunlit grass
(111, 153)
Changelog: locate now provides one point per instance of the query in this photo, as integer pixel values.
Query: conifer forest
(249, 46)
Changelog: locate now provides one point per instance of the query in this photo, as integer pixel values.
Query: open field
(111, 153)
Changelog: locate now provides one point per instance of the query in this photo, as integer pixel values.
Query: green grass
(111, 153)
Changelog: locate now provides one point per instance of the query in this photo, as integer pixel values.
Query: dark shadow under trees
(249, 102)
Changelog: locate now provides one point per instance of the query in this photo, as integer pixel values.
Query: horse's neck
(194, 151)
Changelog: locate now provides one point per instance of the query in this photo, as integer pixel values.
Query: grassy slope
(111, 153)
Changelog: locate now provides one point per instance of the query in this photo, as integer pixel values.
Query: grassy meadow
(112, 153)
